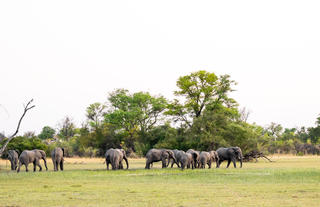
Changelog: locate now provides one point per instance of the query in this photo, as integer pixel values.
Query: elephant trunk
(241, 162)
(125, 159)
(175, 160)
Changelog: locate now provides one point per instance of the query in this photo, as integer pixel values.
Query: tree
(67, 128)
(274, 130)
(47, 132)
(26, 109)
(29, 134)
(95, 114)
(134, 114)
(199, 90)
(2, 136)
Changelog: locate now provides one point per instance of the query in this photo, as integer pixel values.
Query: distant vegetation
(202, 116)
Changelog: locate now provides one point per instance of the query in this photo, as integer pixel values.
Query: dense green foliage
(202, 116)
(21, 143)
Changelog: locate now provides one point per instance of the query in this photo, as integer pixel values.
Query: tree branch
(26, 108)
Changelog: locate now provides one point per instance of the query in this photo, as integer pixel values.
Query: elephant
(13, 157)
(208, 158)
(196, 156)
(57, 155)
(177, 155)
(32, 156)
(115, 157)
(186, 160)
(230, 154)
(156, 155)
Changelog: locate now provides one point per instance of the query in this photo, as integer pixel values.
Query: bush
(21, 143)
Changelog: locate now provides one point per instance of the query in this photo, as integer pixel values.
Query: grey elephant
(186, 160)
(156, 155)
(206, 158)
(196, 156)
(32, 156)
(13, 157)
(115, 157)
(230, 154)
(57, 155)
(177, 155)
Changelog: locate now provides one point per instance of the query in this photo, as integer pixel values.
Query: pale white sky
(69, 54)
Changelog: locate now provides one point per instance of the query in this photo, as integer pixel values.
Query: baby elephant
(186, 160)
(32, 156)
(208, 158)
(57, 158)
(13, 157)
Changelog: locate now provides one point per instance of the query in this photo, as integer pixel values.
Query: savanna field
(289, 181)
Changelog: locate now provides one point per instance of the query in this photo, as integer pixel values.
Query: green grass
(290, 181)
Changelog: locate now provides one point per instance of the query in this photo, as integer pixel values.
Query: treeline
(202, 117)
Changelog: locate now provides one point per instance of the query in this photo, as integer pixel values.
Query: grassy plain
(290, 181)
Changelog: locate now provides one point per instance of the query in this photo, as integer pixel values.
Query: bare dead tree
(26, 108)
(254, 155)
(244, 114)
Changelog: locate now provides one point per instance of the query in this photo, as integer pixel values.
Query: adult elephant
(177, 155)
(32, 156)
(156, 155)
(206, 158)
(230, 154)
(13, 157)
(57, 155)
(196, 157)
(115, 157)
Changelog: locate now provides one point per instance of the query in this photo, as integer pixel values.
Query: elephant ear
(170, 153)
(123, 152)
(164, 152)
(43, 153)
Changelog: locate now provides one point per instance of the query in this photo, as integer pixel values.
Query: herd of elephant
(189, 159)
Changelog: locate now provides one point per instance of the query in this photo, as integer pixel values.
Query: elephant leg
(11, 164)
(34, 166)
(19, 167)
(234, 163)
(38, 164)
(61, 165)
(113, 166)
(107, 163)
(147, 165)
(228, 163)
(183, 166)
(217, 164)
(172, 162)
(209, 165)
(27, 170)
(57, 165)
(164, 163)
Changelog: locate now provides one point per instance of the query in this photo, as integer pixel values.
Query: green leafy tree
(134, 114)
(95, 114)
(67, 128)
(314, 132)
(47, 132)
(199, 89)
